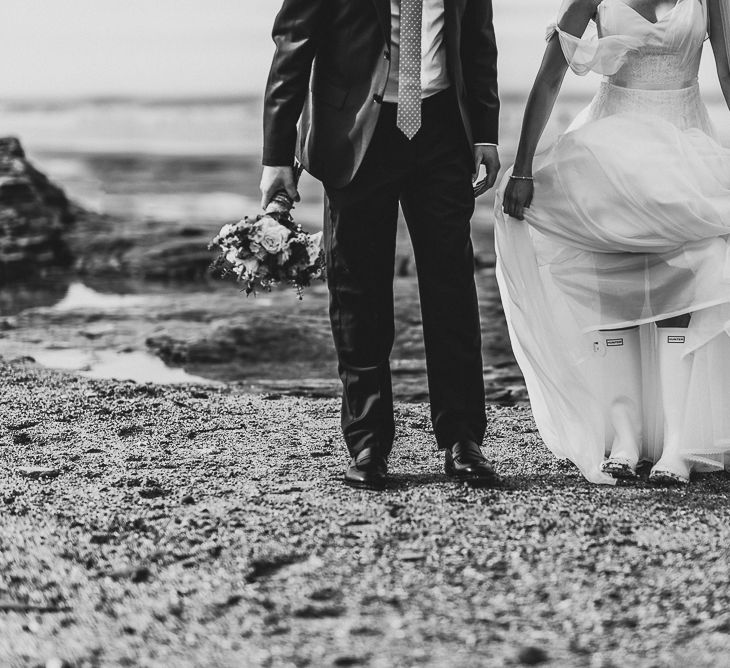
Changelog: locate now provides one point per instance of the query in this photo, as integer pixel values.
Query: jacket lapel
(382, 8)
(453, 11)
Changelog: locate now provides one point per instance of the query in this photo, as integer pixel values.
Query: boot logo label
(614, 342)
(675, 339)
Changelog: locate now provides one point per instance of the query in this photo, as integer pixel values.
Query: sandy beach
(148, 525)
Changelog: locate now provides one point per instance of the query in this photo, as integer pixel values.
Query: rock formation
(33, 216)
(36, 232)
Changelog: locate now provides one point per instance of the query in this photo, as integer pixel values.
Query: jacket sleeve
(479, 58)
(296, 32)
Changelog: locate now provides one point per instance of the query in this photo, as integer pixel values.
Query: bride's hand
(518, 197)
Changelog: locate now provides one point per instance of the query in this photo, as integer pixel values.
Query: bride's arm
(720, 40)
(548, 82)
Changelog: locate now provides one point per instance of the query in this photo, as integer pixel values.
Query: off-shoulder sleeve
(591, 53)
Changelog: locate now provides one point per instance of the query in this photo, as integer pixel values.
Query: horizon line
(18, 103)
(182, 98)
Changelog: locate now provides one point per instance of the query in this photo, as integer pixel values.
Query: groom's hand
(489, 157)
(276, 179)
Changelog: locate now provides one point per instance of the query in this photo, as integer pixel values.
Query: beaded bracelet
(522, 178)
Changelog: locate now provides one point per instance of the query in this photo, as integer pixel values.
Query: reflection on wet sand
(136, 365)
(79, 296)
(19, 296)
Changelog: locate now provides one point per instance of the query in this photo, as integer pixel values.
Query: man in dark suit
(396, 101)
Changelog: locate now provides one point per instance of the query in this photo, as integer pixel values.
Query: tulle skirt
(630, 224)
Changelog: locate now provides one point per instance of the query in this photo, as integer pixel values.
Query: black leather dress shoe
(465, 462)
(367, 471)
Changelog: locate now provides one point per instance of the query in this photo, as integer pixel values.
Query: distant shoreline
(508, 96)
(56, 103)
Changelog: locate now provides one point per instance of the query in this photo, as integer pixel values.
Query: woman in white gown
(614, 245)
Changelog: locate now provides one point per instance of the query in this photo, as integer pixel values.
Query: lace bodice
(672, 49)
(633, 52)
(657, 71)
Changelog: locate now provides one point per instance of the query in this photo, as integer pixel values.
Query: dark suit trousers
(431, 177)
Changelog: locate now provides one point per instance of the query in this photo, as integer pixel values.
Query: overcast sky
(59, 48)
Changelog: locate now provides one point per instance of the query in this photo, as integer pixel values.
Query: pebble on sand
(37, 471)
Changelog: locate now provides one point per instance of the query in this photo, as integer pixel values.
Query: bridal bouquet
(269, 249)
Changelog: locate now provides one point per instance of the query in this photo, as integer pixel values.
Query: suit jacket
(330, 70)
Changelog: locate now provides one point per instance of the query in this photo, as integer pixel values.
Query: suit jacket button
(386, 55)
(378, 98)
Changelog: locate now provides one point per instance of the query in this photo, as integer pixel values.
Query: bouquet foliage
(269, 249)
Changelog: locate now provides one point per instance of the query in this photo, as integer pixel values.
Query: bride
(614, 245)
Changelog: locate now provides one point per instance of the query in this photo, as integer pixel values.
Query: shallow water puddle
(79, 296)
(138, 366)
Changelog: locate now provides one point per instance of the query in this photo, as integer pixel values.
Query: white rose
(226, 230)
(314, 247)
(273, 236)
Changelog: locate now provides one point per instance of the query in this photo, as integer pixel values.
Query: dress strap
(592, 53)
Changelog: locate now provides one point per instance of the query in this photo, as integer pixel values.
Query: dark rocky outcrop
(262, 343)
(34, 213)
(41, 228)
(105, 246)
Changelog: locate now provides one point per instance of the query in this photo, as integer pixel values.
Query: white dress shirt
(434, 73)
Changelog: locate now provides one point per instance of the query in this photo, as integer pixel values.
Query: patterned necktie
(409, 72)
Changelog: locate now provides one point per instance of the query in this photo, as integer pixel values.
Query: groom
(397, 102)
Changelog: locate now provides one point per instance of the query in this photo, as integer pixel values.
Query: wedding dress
(629, 224)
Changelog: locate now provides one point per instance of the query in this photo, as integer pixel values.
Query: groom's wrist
(275, 157)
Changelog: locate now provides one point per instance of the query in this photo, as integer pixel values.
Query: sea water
(192, 160)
